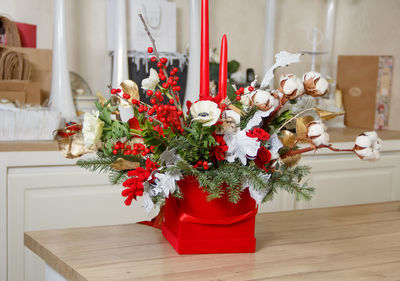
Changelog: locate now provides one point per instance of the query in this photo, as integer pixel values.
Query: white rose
(206, 112)
(368, 146)
(316, 131)
(291, 85)
(92, 128)
(151, 82)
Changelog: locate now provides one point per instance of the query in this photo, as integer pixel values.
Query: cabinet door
(345, 180)
(59, 197)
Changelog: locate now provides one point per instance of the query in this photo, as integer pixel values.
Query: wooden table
(343, 243)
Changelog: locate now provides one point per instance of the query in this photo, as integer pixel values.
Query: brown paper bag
(365, 83)
(24, 92)
(40, 61)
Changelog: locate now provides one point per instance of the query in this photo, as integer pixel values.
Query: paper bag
(23, 92)
(40, 60)
(365, 82)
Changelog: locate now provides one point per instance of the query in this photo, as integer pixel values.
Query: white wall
(362, 27)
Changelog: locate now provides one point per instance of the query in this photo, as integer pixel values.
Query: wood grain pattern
(342, 243)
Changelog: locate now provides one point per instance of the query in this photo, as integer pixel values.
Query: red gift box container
(194, 225)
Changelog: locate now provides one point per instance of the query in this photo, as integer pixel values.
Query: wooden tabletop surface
(343, 243)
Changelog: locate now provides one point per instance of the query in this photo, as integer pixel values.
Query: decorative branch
(295, 117)
(153, 42)
(307, 149)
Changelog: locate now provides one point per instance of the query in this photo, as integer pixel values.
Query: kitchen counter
(360, 242)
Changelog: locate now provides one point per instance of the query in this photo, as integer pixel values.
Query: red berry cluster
(138, 148)
(115, 91)
(240, 92)
(168, 115)
(203, 164)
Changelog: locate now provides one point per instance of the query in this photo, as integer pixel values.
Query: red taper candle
(204, 57)
(223, 70)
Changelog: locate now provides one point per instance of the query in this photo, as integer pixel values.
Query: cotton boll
(234, 115)
(314, 84)
(316, 132)
(264, 100)
(291, 86)
(368, 146)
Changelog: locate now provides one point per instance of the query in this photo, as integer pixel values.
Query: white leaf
(281, 59)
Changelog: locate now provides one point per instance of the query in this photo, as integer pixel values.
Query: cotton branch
(307, 149)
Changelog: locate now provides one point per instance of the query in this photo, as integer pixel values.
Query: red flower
(134, 124)
(262, 158)
(259, 134)
(135, 183)
(217, 152)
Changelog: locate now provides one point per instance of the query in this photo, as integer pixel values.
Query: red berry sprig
(201, 164)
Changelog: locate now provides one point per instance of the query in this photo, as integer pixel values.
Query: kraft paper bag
(365, 82)
(40, 61)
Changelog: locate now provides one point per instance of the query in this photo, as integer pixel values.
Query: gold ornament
(288, 139)
(73, 147)
(130, 87)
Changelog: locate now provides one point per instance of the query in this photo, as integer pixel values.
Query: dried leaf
(288, 138)
(291, 161)
(301, 125)
(122, 164)
(328, 115)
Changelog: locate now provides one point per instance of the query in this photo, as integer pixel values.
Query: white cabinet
(42, 190)
(45, 191)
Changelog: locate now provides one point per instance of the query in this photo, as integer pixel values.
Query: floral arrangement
(238, 139)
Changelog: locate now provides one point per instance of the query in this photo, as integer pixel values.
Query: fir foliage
(290, 180)
(245, 119)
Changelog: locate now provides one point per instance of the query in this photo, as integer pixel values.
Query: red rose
(259, 134)
(217, 152)
(262, 158)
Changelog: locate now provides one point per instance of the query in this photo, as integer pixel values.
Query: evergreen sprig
(290, 180)
(244, 120)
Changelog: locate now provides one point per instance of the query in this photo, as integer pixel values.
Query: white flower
(291, 85)
(166, 183)
(314, 84)
(92, 128)
(241, 146)
(368, 146)
(206, 112)
(264, 100)
(257, 195)
(151, 82)
(316, 131)
(147, 203)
